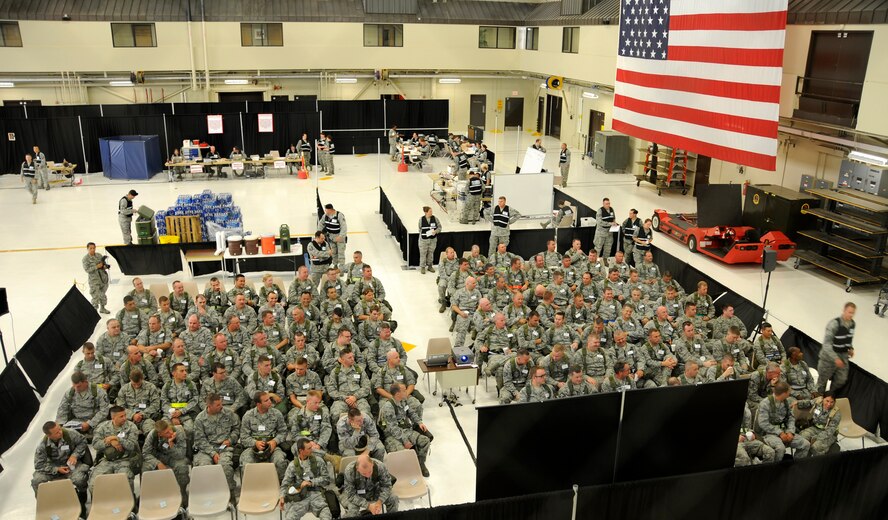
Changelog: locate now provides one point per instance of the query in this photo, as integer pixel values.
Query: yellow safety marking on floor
(326, 178)
(408, 346)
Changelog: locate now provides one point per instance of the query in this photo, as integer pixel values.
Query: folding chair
(191, 289)
(112, 498)
(57, 499)
(847, 427)
(160, 497)
(159, 289)
(260, 489)
(208, 493)
(404, 465)
(345, 462)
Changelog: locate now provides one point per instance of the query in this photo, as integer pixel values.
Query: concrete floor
(44, 244)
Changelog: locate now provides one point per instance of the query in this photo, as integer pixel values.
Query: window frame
(4, 24)
(570, 40)
(132, 33)
(496, 39)
(398, 29)
(535, 31)
(266, 34)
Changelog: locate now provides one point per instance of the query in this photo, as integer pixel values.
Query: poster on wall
(266, 123)
(214, 124)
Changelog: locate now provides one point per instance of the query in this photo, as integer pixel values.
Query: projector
(463, 356)
(437, 360)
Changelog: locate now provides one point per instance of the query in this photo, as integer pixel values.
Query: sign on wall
(266, 123)
(214, 124)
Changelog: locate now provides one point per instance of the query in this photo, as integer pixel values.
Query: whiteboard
(533, 161)
(529, 193)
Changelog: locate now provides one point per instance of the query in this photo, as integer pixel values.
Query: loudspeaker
(769, 260)
(4, 304)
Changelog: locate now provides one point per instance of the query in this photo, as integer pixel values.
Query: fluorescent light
(236, 82)
(346, 80)
(590, 95)
(544, 85)
(126, 83)
(450, 81)
(6, 84)
(868, 158)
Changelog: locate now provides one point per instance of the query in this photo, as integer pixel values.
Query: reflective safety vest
(842, 341)
(501, 216)
(332, 226)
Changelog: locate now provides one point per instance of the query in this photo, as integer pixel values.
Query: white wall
(50, 47)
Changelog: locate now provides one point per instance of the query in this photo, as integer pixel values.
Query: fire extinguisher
(745, 185)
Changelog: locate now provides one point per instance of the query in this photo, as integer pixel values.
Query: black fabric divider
(18, 405)
(845, 485)
(356, 126)
(352, 115)
(288, 129)
(867, 393)
(390, 218)
(622, 437)
(166, 259)
(319, 204)
(414, 115)
(48, 350)
(148, 259)
(868, 396)
(539, 506)
(505, 432)
(653, 414)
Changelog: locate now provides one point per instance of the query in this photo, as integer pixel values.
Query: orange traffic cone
(402, 166)
(303, 173)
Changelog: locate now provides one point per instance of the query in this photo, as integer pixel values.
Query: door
(514, 112)
(596, 122)
(541, 114)
(240, 97)
(553, 116)
(478, 110)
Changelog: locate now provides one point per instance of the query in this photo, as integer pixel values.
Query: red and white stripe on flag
(702, 75)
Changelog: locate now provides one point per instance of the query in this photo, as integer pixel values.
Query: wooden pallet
(186, 228)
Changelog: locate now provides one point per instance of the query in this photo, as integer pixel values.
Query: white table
(295, 250)
(458, 377)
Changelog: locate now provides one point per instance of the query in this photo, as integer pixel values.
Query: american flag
(703, 76)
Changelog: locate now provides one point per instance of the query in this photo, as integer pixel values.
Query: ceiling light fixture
(236, 81)
(6, 84)
(346, 80)
(868, 158)
(450, 81)
(126, 83)
(590, 95)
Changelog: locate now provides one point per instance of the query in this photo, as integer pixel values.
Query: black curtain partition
(356, 126)
(166, 259)
(288, 129)
(352, 115)
(845, 485)
(18, 405)
(422, 116)
(163, 259)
